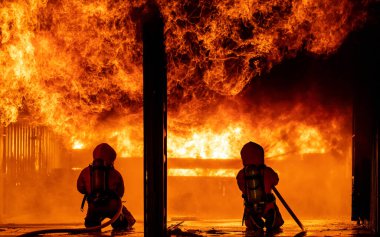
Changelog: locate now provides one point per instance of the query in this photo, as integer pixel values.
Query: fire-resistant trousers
(271, 219)
(97, 212)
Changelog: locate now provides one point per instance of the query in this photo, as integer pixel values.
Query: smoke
(52, 197)
(42, 198)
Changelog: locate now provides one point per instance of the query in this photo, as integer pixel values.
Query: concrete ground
(208, 228)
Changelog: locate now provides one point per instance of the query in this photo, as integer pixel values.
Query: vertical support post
(155, 123)
(374, 215)
(39, 129)
(30, 166)
(5, 148)
(13, 153)
(17, 151)
(2, 172)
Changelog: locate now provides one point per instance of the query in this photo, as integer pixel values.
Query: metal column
(155, 165)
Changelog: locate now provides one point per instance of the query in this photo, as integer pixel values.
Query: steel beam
(155, 165)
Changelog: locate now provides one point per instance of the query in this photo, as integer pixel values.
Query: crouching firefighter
(255, 181)
(103, 188)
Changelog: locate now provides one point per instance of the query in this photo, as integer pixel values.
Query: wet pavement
(185, 227)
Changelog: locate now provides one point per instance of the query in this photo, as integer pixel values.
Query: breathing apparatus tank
(99, 180)
(254, 184)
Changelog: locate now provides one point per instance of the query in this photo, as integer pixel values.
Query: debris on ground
(178, 232)
(174, 226)
(214, 232)
(174, 230)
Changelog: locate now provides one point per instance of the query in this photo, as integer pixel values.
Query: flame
(76, 67)
(311, 140)
(77, 145)
(224, 44)
(199, 172)
(204, 143)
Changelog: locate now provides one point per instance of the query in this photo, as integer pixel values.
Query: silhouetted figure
(255, 181)
(103, 187)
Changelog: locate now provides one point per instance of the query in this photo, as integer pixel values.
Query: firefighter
(255, 181)
(103, 188)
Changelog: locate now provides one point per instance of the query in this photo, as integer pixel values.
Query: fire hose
(288, 208)
(78, 230)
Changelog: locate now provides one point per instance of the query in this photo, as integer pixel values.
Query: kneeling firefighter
(103, 188)
(255, 181)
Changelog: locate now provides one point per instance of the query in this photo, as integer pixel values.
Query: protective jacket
(115, 182)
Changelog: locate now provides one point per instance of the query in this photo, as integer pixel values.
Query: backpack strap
(85, 196)
(91, 181)
(83, 202)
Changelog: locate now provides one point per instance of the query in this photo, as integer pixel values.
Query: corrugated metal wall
(27, 152)
(28, 149)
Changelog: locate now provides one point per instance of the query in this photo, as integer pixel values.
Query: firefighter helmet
(104, 152)
(252, 154)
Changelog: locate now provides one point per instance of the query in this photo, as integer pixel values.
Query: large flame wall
(75, 66)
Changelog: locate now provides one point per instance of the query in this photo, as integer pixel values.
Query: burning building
(276, 72)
